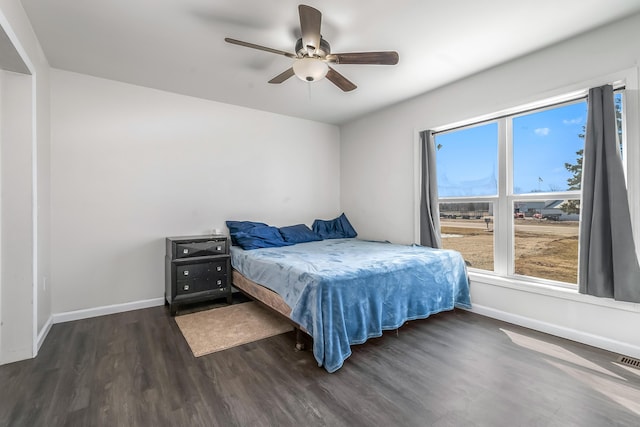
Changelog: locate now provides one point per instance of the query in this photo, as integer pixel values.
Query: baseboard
(549, 328)
(43, 334)
(560, 331)
(105, 310)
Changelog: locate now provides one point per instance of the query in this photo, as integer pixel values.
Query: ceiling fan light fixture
(310, 69)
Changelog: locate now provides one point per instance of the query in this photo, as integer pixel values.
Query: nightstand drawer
(201, 270)
(186, 287)
(198, 249)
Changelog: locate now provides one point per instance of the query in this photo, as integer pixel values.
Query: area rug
(226, 327)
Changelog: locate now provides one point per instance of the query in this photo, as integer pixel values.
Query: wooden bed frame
(270, 300)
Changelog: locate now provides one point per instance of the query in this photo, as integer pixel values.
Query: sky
(467, 159)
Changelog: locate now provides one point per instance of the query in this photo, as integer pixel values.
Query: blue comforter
(344, 291)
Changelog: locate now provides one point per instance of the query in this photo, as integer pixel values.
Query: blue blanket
(344, 291)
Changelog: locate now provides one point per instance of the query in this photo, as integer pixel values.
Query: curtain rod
(566, 101)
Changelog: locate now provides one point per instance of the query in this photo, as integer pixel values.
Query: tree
(574, 182)
(573, 206)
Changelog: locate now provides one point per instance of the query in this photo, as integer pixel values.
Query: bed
(345, 291)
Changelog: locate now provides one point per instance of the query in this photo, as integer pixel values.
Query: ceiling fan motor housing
(322, 51)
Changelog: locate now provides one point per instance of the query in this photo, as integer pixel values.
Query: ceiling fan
(313, 54)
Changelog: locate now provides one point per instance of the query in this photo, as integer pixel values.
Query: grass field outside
(544, 249)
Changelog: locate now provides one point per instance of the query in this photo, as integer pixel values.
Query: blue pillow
(299, 233)
(238, 226)
(260, 237)
(337, 228)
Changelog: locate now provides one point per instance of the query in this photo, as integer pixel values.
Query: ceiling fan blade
(339, 80)
(256, 46)
(378, 58)
(310, 21)
(282, 76)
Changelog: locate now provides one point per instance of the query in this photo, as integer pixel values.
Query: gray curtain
(608, 264)
(429, 208)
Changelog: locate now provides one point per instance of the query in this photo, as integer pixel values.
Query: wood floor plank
(452, 369)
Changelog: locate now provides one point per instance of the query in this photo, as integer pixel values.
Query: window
(509, 190)
(471, 174)
(467, 163)
(468, 228)
(543, 142)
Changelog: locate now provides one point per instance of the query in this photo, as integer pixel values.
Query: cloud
(575, 121)
(542, 131)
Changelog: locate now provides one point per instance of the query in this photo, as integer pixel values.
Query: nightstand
(197, 268)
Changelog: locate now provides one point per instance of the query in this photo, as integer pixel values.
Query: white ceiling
(178, 45)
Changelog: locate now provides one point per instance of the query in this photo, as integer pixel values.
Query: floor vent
(629, 361)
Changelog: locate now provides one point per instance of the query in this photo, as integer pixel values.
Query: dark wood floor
(453, 369)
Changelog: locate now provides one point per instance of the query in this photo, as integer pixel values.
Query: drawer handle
(185, 251)
(186, 272)
(185, 288)
(218, 268)
(219, 282)
(218, 248)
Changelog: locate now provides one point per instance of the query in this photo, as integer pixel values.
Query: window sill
(524, 285)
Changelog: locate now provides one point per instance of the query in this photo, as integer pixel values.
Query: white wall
(29, 314)
(132, 165)
(378, 155)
